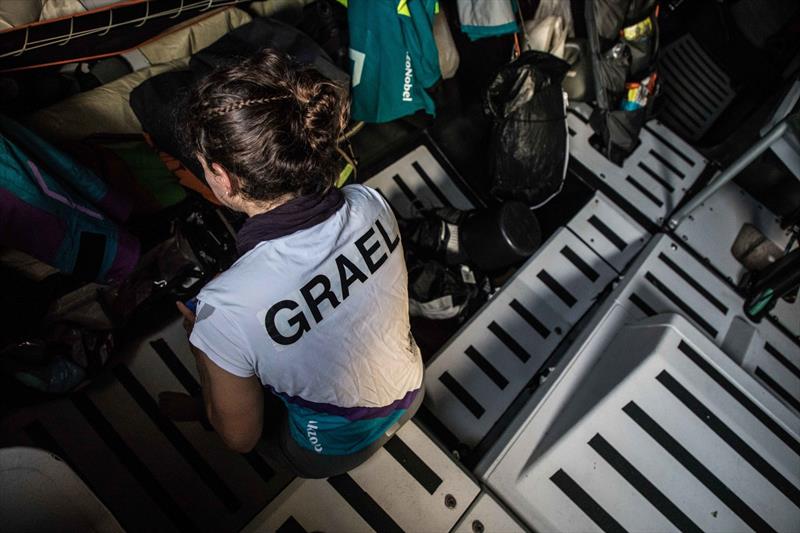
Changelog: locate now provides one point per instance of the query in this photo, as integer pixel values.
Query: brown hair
(271, 123)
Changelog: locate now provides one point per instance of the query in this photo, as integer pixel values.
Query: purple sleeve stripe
(58, 197)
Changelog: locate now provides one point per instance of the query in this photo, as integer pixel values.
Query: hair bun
(324, 111)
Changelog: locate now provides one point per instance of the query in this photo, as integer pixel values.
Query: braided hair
(234, 105)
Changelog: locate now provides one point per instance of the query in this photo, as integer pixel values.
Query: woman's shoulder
(359, 195)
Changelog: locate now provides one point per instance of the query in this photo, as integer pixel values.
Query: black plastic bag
(529, 134)
(617, 132)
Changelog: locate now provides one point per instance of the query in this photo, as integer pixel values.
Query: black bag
(529, 134)
(617, 61)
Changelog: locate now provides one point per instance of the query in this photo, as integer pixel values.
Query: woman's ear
(222, 179)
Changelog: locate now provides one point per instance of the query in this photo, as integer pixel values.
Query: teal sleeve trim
(480, 32)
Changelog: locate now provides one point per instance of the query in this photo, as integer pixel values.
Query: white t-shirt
(321, 317)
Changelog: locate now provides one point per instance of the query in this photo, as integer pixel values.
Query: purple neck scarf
(299, 213)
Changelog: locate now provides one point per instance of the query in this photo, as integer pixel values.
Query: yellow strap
(343, 2)
(344, 175)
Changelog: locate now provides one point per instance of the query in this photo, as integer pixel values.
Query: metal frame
(733, 170)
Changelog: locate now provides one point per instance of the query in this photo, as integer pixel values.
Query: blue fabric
(78, 177)
(329, 434)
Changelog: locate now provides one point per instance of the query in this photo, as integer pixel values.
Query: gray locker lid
(657, 430)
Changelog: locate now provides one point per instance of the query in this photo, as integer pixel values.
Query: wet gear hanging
(480, 18)
(393, 57)
(550, 27)
(623, 39)
(529, 135)
(59, 211)
(449, 58)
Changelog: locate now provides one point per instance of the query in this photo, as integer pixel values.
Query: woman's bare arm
(234, 405)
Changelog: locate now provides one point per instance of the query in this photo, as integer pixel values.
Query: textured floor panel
(416, 182)
(408, 485)
(151, 472)
(486, 515)
(476, 376)
(695, 89)
(670, 279)
(609, 231)
(653, 179)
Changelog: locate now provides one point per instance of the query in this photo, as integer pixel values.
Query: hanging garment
(480, 18)
(393, 56)
(550, 27)
(448, 53)
(60, 212)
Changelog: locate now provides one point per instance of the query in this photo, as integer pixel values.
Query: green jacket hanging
(393, 57)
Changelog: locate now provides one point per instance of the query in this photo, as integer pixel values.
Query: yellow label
(402, 8)
(638, 31)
